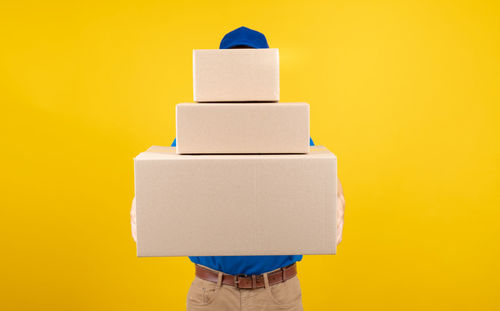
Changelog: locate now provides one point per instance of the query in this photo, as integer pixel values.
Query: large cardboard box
(215, 205)
(227, 75)
(242, 128)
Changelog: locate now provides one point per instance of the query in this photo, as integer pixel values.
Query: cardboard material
(216, 205)
(227, 75)
(242, 128)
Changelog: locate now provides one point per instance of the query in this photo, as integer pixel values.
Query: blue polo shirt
(245, 264)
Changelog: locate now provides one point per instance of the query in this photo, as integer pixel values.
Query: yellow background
(406, 93)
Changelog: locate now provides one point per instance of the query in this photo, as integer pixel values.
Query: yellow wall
(406, 93)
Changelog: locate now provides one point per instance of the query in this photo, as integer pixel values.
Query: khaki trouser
(206, 296)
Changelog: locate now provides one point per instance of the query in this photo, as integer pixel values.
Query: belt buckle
(237, 279)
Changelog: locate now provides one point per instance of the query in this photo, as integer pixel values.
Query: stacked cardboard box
(242, 179)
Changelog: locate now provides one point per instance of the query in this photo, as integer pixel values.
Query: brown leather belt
(248, 281)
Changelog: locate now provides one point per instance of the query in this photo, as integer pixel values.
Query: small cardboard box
(242, 128)
(217, 205)
(227, 75)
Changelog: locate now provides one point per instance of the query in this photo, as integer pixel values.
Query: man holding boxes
(242, 188)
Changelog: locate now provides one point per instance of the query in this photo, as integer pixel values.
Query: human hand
(340, 211)
(133, 221)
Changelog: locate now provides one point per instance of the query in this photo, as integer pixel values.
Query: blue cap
(245, 38)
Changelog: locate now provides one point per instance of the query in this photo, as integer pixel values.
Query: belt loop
(254, 281)
(219, 279)
(283, 274)
(266, 280)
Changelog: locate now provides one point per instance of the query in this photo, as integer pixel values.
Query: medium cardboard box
(216, 205)
(242, 128)
(227, 75)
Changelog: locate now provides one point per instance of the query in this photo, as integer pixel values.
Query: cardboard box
(215, 205)
(227, 75)
(242, 128)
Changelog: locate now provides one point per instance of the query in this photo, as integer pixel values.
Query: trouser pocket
(286, 293)
(202, 292)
